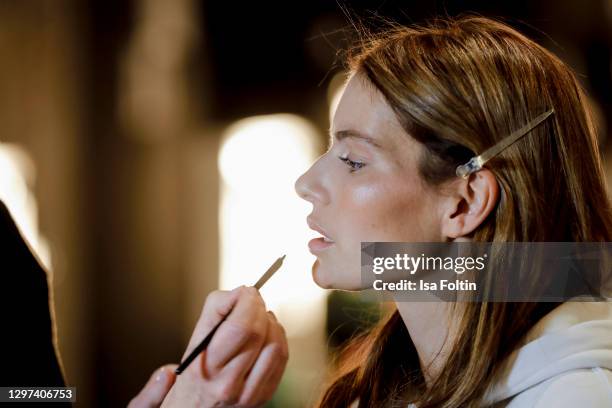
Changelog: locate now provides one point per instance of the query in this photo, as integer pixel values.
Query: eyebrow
(354, 134)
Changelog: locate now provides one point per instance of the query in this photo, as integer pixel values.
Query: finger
(218, 304)
(227, 383)
(268, 384)
(268, 387)
(265, 384)
(244, 329)
(155, 390)
(263, 378)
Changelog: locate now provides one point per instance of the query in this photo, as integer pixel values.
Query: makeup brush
(204, 343)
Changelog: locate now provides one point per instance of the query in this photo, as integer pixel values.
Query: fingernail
(161, 375)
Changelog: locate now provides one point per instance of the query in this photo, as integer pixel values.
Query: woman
(419, 102)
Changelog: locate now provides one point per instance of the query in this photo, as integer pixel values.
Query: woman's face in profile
(366, 187)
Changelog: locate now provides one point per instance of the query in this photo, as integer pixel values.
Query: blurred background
(149, 148)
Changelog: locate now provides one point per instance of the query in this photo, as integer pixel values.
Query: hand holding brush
(237, 353)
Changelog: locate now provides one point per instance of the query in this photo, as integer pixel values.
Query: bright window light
(262, 218)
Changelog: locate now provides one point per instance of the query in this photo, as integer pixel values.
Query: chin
(324, 278)
(317, 274)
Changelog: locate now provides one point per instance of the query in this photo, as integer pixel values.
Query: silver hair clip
(477, 162)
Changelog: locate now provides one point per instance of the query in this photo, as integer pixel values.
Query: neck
(432, 332)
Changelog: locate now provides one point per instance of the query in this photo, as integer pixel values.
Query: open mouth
(320, 243)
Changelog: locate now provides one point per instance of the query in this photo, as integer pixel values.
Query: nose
(308, 187)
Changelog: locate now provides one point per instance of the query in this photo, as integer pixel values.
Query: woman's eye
(354, 165)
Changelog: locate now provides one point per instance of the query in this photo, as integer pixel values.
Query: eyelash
(354, 165)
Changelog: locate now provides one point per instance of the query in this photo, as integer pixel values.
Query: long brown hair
(458, 86)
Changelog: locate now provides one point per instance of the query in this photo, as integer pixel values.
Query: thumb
(153, 393)
(218, 304)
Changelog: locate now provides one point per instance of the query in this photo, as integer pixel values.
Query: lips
(317, 245)
(315, 227)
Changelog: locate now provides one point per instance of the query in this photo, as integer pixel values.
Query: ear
(469, 203)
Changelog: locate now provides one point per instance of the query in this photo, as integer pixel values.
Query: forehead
(363, 108)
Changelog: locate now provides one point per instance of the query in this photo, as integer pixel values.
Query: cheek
(392, 211)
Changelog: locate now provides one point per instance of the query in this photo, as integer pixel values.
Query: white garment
(565, 361)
